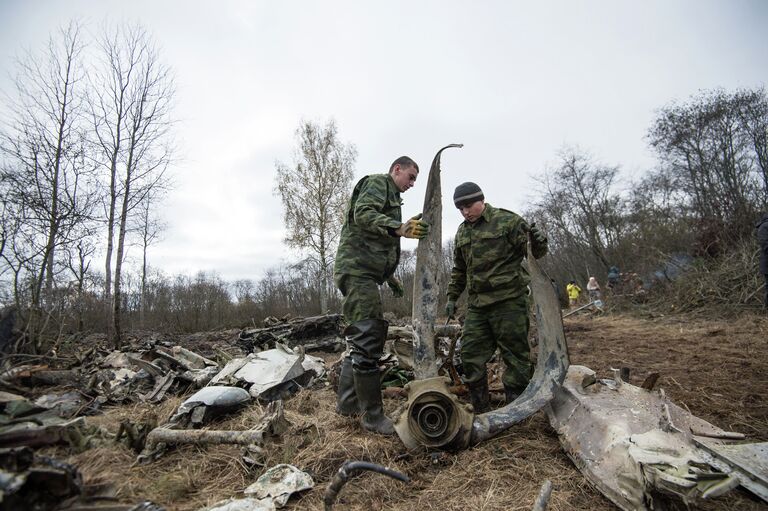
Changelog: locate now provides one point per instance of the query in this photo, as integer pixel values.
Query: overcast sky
(513, 81)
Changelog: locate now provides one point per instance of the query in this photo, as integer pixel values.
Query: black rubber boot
(346, 398)
(510, 394)
(478, 394)
(368, 388)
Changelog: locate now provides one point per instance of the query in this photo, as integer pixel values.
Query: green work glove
(537, 235)
(539, 244)
(450, 309)
(414, 228)
(396, 286)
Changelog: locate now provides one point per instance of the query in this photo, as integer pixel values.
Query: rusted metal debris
(312, 333)
(32, 482)
(637, 447)
(428, 258)
(400, 342)
(271, 424)
(433, 417)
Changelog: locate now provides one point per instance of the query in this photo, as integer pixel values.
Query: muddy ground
(717, 369)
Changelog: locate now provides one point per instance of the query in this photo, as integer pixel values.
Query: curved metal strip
(551, 366)
(425, 286)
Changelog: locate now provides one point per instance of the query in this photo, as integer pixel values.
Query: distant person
(613, 277)
(368, 253)
(574, 291)
(593, 288)
(491, 244)
(762, 240)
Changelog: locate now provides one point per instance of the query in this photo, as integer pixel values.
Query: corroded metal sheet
(636, 446)
(425, 287)
(747, 462)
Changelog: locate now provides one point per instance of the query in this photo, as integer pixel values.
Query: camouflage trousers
(366, 331)
(361, 298)
(503, 325)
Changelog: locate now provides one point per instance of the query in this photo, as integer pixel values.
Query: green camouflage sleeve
(458, 275)
(369, 206)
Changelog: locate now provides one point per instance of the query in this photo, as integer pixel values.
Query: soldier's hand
(537, 235)
(414, 228)
(396, 286)
(450, 309)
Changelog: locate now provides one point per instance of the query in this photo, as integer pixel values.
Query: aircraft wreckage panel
(635, 445)
(748, 462)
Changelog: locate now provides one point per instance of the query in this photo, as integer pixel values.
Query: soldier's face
(471, 212)
(404, 177)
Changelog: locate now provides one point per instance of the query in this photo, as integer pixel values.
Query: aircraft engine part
(433, 417)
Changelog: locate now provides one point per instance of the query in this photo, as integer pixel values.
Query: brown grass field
(717, 369)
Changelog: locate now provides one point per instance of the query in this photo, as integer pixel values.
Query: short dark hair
(403, 161)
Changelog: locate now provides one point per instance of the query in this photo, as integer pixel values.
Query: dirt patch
(718, 370)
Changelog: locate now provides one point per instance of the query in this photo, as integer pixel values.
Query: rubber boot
(510, 394)
(368, 388)
(478, 395)
(346, 398)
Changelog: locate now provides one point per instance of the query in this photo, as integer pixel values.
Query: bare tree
(582, 204)
(148, 151)
(149, 228)
(753, 113)
(122, 50)
(45, 169)
(315, 192)
(715, 144)
(79, 262)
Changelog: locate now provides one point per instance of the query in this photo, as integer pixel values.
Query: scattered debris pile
(34, 482)
(228, 399)
(313, 333)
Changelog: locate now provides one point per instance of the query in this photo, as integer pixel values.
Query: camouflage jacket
(487, 258)
(367, 247)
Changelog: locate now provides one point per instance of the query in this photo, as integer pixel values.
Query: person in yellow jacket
(574, 291)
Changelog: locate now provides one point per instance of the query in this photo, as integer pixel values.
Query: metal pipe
(574, 311)
(347, 470)
(543, 499)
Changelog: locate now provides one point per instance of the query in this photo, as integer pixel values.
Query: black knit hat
(467, 193)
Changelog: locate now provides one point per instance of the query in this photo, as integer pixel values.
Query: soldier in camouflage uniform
(369, 250)
(489, 247)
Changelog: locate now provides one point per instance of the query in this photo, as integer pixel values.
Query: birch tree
(315, 192)
(148, 152)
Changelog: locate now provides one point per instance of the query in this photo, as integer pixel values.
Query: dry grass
(718, 370)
